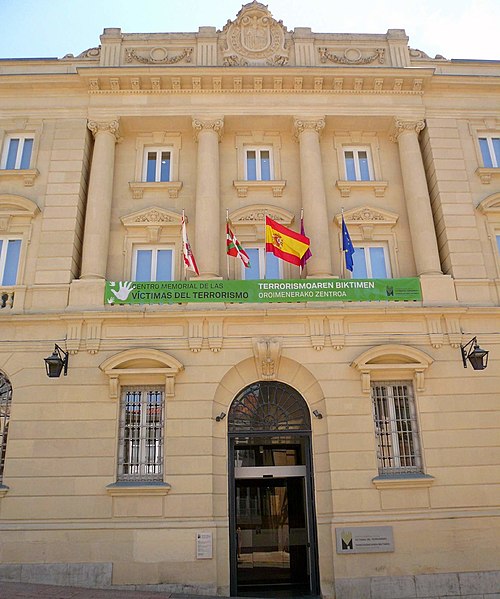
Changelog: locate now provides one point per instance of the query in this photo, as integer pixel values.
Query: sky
(54, 28)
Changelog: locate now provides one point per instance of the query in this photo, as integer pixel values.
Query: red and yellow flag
(285, 243)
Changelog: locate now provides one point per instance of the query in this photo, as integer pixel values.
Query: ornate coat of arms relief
(254, 38)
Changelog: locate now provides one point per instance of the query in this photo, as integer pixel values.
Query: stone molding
(157, 55)
(351, 56)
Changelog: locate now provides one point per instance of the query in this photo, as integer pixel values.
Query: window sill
(408, 481)
(139, 187)
(346, 187)
(486, 174)
(122, 488)
(3, 490)
(27, 175)
(243, 187)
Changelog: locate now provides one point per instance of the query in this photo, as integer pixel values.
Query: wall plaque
(204, 545)
(364, 539)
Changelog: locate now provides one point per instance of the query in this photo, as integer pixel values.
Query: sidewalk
(21, 590)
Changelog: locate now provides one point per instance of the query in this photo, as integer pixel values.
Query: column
(418, 204)
(99, 199)
(208, 134)
(313, 196)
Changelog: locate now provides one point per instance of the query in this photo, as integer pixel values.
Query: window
(5, 402)
(357, 164)
(140, 455)
(370, 262)
(490, 151)
(263, 265)
(10, 250)
(17, 152)
(498, 244)
(157, 164)
(153, 264)
(258, 164)
(398, 448)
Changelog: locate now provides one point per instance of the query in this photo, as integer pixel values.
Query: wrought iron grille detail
(140, 456)
(398, 447)
(5, 403)
(269, 406)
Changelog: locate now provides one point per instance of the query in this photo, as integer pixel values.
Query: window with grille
(140, 456)
(5, 402)
(398, 448)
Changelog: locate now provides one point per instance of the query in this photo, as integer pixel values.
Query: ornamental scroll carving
(158, 55)
(254, 38)
(352, 56)
(90, 53)
(154, 216)
(401, 126)
(216, 125)
(267, 354)
(301, 125)
(98, 127)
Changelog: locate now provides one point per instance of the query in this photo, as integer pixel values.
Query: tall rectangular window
(17, 152)
(371, 262)
(10, 250)
(398, 446)
(498, 243)
(263, 265)
(258, 164)
(357, 164)
(153, 264)
(157, 164)
(140, 455)
(490, 151)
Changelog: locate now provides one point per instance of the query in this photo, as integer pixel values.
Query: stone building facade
(262, 429)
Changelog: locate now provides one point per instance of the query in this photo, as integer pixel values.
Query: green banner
(262, 291)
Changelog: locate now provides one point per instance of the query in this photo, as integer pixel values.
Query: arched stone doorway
(272, 525)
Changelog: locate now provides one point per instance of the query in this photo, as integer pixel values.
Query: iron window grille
(5, 404)
(269, 406)
(398, 447)
(140, 456)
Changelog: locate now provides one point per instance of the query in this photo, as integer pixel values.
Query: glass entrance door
(271, 535)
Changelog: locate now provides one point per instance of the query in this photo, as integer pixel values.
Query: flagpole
(182, 231)
(227, 255)
(265, 250)
(302, 268)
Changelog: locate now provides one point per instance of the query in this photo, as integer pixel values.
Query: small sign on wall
(204, 545)
(364, 539)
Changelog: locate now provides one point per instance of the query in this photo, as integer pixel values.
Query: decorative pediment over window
(250, 221)
(367, 219)
(256, 214)
(152, 220)
(491, 205)
(254, 39)
(144, 366)
(16, 212)
(392, 361)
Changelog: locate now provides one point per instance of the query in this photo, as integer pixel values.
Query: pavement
(22, 590)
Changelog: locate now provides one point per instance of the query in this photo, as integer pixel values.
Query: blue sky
(53, 28)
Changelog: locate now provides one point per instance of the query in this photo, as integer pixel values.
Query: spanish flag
(285, 243)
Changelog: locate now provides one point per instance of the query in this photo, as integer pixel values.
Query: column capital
(216, 125)
(308, 124)
(107, 126)
(400, 126)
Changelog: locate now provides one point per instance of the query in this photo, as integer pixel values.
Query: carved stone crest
(254, 38)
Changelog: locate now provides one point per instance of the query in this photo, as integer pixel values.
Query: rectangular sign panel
(364, 539)
(204, 545)
(262, 291)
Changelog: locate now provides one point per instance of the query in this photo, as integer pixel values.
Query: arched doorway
(273, 542)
